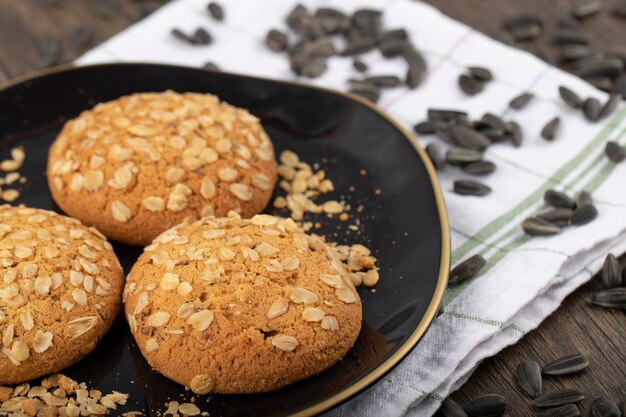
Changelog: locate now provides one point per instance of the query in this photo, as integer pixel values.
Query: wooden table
(574, 327)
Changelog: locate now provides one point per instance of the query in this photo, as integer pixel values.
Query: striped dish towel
(525, 279)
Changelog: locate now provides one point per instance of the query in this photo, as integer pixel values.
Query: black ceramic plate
(405, 224)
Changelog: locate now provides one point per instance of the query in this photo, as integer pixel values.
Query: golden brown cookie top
(59, 282)
(163, 153)
(221, 278)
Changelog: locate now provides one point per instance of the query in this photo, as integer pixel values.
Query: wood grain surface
(574, 327)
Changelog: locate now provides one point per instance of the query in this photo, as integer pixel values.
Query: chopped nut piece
(158, 319)
(330, 323)
(201, 320)
(303, 296)
(285, 342)
(313, 314)
(67, 384)
(202, 384)
(278, 308)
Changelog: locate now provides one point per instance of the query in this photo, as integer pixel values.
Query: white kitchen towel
(525, 279)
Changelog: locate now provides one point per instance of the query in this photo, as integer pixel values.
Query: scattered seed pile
(303, 184)
(603, 69)
(12, 177)
(58, 395)
(565, 212)
(186, 409)
(528, 374)
(317, 33)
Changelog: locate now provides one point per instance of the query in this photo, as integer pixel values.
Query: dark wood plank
(23, 25)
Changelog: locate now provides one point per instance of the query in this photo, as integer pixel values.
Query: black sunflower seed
(321, 47)
(514, 133)
(557, 199)
(494, 134)
(297, 16)
(450, 408)
(360, 66)
(568, 37)
(591, 109)
(528, 377)
(600, 82)
(308, 66)
(428, 127)
(586, 9)
(551, 128)
(469, 138)
(469, 85)
(201, 37)
(392, 48)
(534, 226)
(520, 101)
(560, 216)
(601, 407)
(526, 32)
(414, 76)
(570, 98)
(216, 11)
(521, 20)
(493, 120)
(567, 410)
(611, 272)
(179, 34)
(610, 67)
(211, 66)
(434, 153)
(490, 405)
(612, 298)
(413, 57)
(332, 20)
(610, 105)
(358, 46)
(615, 152)
(368, 94)
(459, 156)
(480, 73)
(479, 168)
(446, 115)
(584, 199)
(276, 40)
(383, 81)
(566, 365)
(367, 21)
(584, 215)
(469, 187)
(561, 397)
(445, 134)
(575, 52)
(620, 9)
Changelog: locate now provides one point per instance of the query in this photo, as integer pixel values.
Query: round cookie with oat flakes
(60, 290)
(136, 166)
(252, 305)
